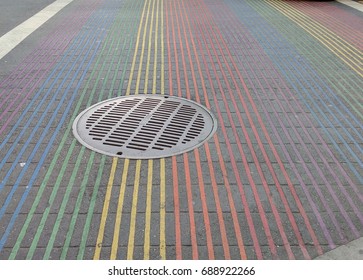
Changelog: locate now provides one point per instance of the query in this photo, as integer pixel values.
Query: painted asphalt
(281, 178)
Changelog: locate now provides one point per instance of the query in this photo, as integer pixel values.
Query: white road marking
(15, 36)
(350, 3)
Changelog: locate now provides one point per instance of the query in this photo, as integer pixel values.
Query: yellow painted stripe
(148, 210)
(116, 233)
(342, 49)
(149, 49)
(114, 165)
(128, 90)
(162, 86)
(147, 23)
(156, 48)
(150, 162)
(131, 244)
(142, 51)
(105, 211)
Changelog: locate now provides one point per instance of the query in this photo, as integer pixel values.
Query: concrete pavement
(351, 251)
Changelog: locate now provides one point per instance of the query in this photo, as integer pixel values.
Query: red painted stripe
(268, 163)
(178, 243)
(222, 227)
(282, 168)
(256, 161)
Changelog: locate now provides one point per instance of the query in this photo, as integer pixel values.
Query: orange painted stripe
(193, 234)
(196, 152)
(251, 148)
(262, 212)
(188, 184)
(207, 224)
(178, 243)
(270, 167)
(222, 227)
(233, 161)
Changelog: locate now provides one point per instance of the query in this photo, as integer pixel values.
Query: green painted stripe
(61, 173)
(73, 177)
(114, 34)
(64, 202)
(87, 225)
(84, 182)
(47, 210)
(86, 230)
(77, 206)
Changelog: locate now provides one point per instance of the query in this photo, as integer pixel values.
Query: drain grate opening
(144, 126)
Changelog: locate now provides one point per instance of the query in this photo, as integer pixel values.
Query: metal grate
(144, 126)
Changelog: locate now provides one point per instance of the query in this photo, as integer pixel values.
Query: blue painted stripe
(42, 159)
(46, 131)
(37, 96)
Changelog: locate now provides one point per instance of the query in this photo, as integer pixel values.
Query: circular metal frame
(144, 126)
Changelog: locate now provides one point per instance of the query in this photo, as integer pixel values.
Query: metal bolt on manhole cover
(144, 126)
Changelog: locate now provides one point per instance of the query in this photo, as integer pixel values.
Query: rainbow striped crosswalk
(281, 178)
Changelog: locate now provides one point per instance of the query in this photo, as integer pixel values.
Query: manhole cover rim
(138, 154)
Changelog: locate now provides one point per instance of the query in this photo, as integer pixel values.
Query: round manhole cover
(144, 126)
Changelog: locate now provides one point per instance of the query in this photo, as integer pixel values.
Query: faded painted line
(15, 36)
(352, 4)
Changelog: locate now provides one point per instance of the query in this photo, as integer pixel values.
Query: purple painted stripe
(48, 44)
(46, 51)
(33, 57)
